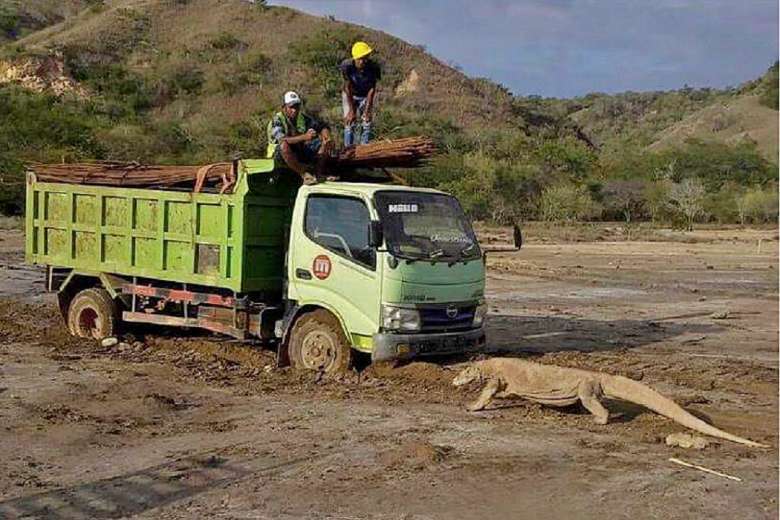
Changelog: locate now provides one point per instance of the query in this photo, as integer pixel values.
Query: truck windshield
(426, 226)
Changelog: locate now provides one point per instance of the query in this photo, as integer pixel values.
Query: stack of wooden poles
(409, 152)
(106, 173)
(400, 153)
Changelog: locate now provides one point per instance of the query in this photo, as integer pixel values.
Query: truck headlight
(401, 319)
(479, 314)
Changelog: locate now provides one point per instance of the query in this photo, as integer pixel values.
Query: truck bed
(233, 241)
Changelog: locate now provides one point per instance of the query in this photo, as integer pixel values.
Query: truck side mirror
(375, 234)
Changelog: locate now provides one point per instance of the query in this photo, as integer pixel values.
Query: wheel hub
(318, 351)
(89, 321)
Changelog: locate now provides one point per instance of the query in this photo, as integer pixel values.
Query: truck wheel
(92, 314)
(317, 342)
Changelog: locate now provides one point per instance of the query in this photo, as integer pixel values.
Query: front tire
(317, 342)
(92, 314)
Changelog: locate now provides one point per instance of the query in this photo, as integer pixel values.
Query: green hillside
(19, 18)
(194, 81)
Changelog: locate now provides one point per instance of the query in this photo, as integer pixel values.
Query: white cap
(291, 98)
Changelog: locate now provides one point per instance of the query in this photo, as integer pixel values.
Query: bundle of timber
(105, 173)
(398, 153)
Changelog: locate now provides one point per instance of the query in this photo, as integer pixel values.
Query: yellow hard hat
(360, 50)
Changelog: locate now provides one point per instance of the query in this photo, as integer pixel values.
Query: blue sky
(564, 48)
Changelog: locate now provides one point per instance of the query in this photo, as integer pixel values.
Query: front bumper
(404, 346)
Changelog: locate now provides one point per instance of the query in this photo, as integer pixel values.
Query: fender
(110, 283)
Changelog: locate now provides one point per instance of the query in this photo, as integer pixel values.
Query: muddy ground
(201, 427)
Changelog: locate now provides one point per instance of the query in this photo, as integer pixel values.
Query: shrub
(624, 199)
(759, 205)
(9, 21)
(769, 85)
(722, 204)
(185, 79)
(655, 194)
(566, 202)
(225, 41)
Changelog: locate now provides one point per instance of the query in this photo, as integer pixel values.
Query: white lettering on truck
(402, 208)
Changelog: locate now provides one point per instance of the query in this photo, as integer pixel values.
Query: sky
(566, 48)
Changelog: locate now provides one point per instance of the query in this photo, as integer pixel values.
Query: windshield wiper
(467, 249)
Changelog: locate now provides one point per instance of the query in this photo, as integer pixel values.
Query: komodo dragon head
(467, 375)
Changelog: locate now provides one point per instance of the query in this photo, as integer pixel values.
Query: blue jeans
(366, 127)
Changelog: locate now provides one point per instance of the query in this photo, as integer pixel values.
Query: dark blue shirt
(362, 80)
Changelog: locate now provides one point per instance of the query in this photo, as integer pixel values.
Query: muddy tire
(92, 314)
(317, 342)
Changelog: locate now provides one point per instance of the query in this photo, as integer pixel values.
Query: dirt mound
(38, 323)
(419, 372)
(415, 453)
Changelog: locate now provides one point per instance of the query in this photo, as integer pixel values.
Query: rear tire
(317, 342)
(93, 314)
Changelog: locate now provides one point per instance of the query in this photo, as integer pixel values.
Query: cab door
(333, 266)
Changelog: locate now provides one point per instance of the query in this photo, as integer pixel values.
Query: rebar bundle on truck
(399, 153)
(221, 177)
(107, 173)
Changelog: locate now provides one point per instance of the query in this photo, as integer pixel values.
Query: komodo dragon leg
(589, 393)
(488, 392)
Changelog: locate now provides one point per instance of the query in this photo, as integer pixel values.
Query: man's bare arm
(367, 113)
(302, 138)
(350, 99)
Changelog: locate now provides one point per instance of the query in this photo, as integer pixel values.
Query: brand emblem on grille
(452, 311)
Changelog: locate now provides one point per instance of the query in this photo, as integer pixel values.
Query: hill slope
(244, 56)
(733, 121)
(21, 17)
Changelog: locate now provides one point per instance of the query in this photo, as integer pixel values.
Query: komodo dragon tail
(638, 393)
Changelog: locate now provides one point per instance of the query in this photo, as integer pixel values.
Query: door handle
(303, 274)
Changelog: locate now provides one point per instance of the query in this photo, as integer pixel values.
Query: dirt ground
(197, 426)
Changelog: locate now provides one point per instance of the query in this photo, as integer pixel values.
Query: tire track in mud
(149, 488)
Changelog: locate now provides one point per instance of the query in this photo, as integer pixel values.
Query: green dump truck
(321, 271)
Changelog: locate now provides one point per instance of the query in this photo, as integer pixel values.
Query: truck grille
(455, 317)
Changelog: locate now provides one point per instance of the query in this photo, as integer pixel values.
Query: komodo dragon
(558, 386)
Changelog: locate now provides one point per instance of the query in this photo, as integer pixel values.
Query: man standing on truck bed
(357, 97)
(299, 139)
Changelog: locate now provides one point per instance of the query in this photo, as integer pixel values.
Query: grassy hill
(194, 81)
(733, 121)
(211, 63)
(21, 17)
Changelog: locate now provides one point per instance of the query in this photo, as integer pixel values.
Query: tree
(722, 205)
(625, 198)
(566, 202)
(656, 194)
(687, 199)
(717, 163)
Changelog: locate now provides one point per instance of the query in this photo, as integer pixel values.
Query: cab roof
(363, 188)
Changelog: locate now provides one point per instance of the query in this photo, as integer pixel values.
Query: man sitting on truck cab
(298, 139)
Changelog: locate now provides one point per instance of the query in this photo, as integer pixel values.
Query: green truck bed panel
(233, 241)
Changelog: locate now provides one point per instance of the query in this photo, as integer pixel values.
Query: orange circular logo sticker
(321, 267)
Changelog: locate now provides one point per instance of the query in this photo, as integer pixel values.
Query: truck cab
(399, 268)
